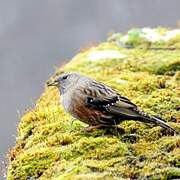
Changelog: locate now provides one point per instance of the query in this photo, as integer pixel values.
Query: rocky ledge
(143, 65)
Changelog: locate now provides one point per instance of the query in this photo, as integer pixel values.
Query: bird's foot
(92, 128)
(109, 129)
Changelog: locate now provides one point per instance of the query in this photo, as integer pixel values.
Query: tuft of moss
(51, 145)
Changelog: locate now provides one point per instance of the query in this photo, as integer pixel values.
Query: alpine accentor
(97, 104)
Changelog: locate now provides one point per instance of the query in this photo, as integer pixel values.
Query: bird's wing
(103, 97)
(114, 105)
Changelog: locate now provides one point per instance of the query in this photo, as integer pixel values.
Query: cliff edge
(143, 65)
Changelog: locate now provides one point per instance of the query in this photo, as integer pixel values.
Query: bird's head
(65, 81)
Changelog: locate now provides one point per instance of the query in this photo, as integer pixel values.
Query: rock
(50, 146)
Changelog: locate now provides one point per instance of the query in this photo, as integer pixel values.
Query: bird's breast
(75, 104)
(66, 102)
(72, 100)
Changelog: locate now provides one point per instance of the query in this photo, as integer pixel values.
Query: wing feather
(118, 106)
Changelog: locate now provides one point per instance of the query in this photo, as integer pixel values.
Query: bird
(97, 104)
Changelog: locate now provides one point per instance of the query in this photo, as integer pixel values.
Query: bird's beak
(54, 83)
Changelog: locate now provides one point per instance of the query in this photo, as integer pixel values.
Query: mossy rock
(51, 145)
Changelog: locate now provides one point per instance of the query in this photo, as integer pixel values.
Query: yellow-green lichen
(51, 145)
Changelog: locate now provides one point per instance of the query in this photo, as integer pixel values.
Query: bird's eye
(65, 77)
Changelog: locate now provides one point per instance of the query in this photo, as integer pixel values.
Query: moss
(174, 42)
(51, 145)
(32, 163)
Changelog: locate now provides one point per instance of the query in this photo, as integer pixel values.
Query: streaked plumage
(97, 104)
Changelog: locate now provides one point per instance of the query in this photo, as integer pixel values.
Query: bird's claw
(92, 128)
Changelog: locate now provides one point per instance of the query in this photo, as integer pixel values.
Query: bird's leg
(92, 128)
(109, 129)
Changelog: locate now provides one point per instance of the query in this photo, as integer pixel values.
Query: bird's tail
(136, 114)
(155, 120)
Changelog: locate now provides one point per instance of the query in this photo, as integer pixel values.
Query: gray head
(65, 81)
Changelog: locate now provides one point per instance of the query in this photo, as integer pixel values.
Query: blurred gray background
(37, 36)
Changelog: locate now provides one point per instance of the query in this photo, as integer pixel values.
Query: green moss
(174, 42)
(32, 163)
(51, 145)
